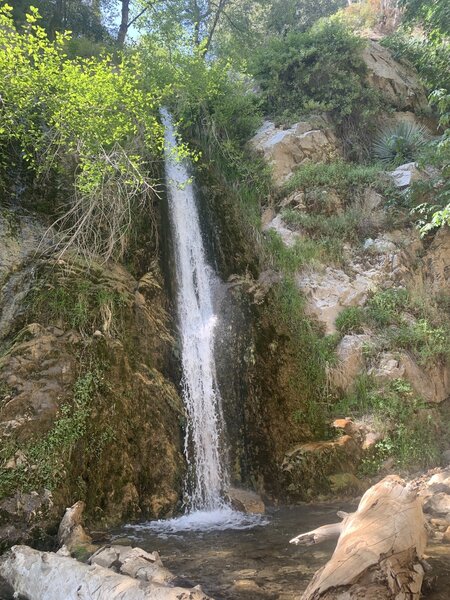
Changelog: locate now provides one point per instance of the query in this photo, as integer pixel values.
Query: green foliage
(45, 459)
(385, 306)
(76, 303)
(299, 15)
(440, 157)
(410, 432)
(430, 57)
(310, 353)
(83, 19)
(433, 16)
(290, 259)
(404, 324)
(399, 144)
(342, 176)
(351, 225)
(350, 320)
(86, 124)
(334, 208)
(318, 70)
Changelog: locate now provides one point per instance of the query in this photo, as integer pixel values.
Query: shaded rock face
(309, 468)
(285, 149)
(398, 83)
(87, 406)
(436, 269)
(25, 516)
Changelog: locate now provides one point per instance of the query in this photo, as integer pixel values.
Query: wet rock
(24, 517)
(285, 149)
(398, 83)
(345, 483)
(246, 501)
(71, 533)
(308, 467)
(134, 562)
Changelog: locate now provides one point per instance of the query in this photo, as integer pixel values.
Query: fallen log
(379, 550)
(38, 575)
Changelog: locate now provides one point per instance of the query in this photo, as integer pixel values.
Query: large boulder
(350, 361)
(431, 382)
(397, 82)
(285, 149)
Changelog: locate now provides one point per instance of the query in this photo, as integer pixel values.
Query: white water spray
(196, 324)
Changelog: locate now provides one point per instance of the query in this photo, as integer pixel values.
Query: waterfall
(196, 318)
(207, 473)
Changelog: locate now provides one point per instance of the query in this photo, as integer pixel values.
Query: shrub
(383, 307)
(430, 57)
(399, 144)
(339, 175)
(318, 70)
(87, 126)
(410, 433)
(290, 259)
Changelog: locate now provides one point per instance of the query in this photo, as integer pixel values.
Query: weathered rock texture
(285, 149)
(379, 550)
(398, 83)
(35, 575)
(87, 406)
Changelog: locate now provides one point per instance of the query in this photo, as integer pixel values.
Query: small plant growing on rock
(350, 320)
(399, 144)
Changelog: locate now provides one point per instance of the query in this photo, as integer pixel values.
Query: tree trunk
(38, 575)
(123, 29)
(379, 550)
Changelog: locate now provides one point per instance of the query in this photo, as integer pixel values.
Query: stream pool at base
(259, 563)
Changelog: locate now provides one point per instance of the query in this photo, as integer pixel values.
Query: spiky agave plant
(400, 143)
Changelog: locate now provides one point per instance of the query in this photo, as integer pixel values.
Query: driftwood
(38, 575)
(71, 533)
(379, 550)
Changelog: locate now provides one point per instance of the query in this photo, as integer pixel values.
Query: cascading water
(208, 477)
(196, 325)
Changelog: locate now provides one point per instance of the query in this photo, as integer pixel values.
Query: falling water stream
(207, 479)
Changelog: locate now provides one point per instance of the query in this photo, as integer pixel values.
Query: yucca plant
(400, 143)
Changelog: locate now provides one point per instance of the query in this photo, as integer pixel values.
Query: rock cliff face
(87, 409)
(285, 149)
(397, 83)
(379, 256)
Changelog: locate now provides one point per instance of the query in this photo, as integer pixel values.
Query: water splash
(205, 521)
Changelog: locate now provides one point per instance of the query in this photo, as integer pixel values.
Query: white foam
(204, 520)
